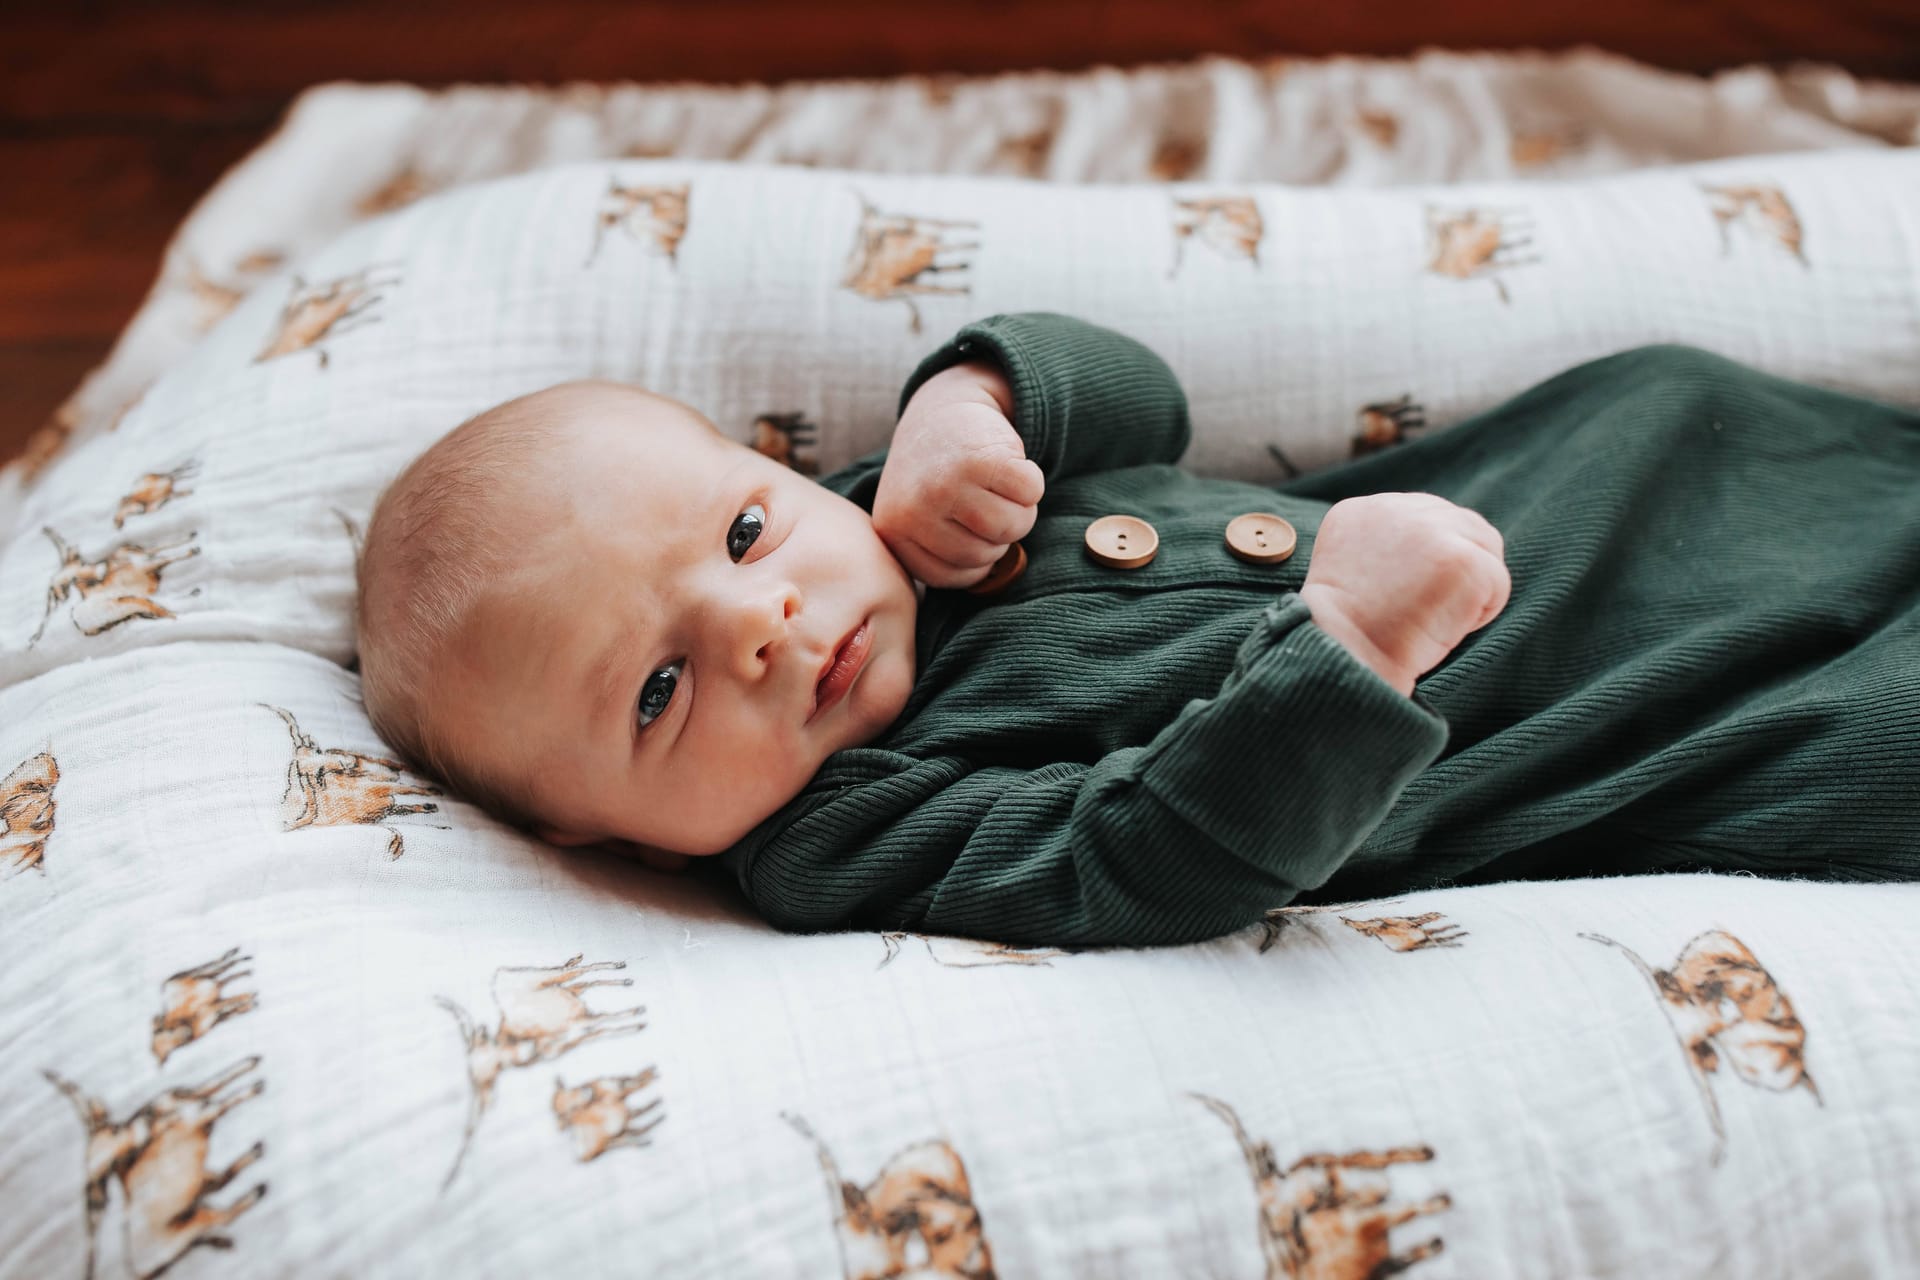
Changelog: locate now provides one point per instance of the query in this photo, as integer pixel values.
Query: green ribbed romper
(1710, 660)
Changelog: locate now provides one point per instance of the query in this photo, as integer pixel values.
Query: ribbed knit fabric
(1710, 659)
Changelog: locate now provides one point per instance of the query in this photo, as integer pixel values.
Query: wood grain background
(116, 115)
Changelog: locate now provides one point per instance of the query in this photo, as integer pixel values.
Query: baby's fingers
(982, 521)
(935, 570)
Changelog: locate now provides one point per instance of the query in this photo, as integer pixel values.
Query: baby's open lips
(833, 656)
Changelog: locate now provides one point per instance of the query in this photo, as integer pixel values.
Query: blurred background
(117, 116)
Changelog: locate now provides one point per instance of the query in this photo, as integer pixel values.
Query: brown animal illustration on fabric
(1397, 933)
(969, 953)
(656, 215)
(194, 1002)
(153, 491)
(329, 309)
(1409, 933)
(781, 436)
(1382, 126)
(1230, 224)
(329, 787)
(116, 587)
(216, 300)
(26, 814)
(1531, 149)
(892, 253)
(1722, 1004)
(159, 1157)
(542, 1015)
(47, 440)
(1465, 244)
(398, 191)
(1326, 1217)
(1027, 153)
(1175, 159)
(1387, 423)
(599, 1117)
(1763, 210)
(915, 1220)
(52, 437)
(938, 88)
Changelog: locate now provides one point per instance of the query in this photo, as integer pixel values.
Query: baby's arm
(1244, 800)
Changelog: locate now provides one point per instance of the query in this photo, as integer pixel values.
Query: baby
(597, 616)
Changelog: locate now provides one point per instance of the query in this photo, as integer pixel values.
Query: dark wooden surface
(116, 116)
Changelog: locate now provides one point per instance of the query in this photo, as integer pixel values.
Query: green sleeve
(1246, 799)
(1085, 398)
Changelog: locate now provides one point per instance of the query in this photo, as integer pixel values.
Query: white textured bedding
(278, 1007)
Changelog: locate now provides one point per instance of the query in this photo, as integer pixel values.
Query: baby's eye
(749, 528)
(657, 692)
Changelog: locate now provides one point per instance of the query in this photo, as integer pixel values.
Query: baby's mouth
(841, 665)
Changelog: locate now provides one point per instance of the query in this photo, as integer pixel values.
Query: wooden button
(1005, 570)
(1122, 542)
(1260, 537)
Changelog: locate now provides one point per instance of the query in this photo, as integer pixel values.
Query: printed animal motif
(194, 1002)
(1325, 1217)
(1721, 1003)
(938, 89)
(118, 587)
(1409, 933)
(1281, 920)
(656, 213)
(402, 189)
(893, 252)
(542, 1015)
(969, 953)
(1467, 243)
(1535, 148)
(329, 787)
(326, 310)
(781, 436)
(153, 491)
(46, 442)
(598, 1115)
(217, 300)
(1027, 152)
(26, 814)
(1382, 126)
(916, 1219)
(1386, 424)
(1763, 210)
(1175, 159)
(159, 1157)
(1230, 224)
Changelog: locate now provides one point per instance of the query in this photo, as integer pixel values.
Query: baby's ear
(565, 839)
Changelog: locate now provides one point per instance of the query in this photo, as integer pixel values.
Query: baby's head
(591, 613)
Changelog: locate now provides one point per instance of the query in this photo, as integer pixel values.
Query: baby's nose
(763, 627)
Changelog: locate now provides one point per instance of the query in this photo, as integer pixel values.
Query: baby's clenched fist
(1400, 579)
(958, 488)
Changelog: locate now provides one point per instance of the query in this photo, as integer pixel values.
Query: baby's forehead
(597, 411)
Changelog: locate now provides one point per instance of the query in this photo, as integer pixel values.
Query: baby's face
(651, 664)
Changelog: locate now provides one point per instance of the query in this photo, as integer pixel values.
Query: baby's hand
(958, 488)
(1400, 579)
